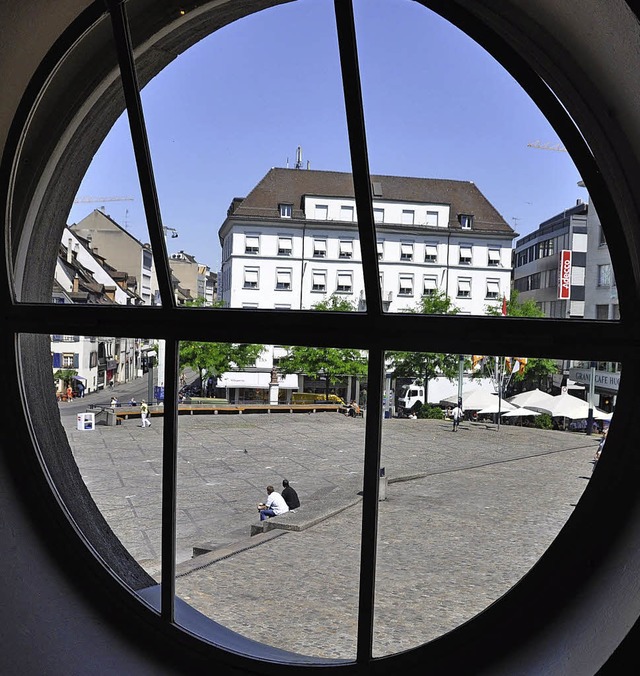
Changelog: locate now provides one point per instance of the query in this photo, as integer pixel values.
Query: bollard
(382, 485)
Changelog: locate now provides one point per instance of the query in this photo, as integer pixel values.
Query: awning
(255, 380)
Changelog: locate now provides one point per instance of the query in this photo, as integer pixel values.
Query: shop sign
(564, 281)
(603, 379)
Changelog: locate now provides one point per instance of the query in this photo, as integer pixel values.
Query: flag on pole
(504, 306)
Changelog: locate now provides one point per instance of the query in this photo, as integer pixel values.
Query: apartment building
(293, 240)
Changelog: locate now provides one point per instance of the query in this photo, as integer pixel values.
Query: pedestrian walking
(456, 414)
(144, 414)
(69, 393)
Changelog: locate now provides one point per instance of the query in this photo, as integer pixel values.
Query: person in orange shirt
(69, 393)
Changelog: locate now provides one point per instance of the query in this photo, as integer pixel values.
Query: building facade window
(429, 286)
(602, 312)
(283, 280)
(464, 287)
(319, 280)
(70, 360)
(380, 246)
(406, 251)
(432, 219)
(604, 275)
(344, 282)
(321, 212)
(347, 214)
(378, 215)
(493, 289)
(430, 253)
(285, 246)
(465, 255)
(466, 221)
(408, 216)
(546, 248)
(251, 278)
(319, 248)
(493, 257)
(346, 249)
(286, 210)
(405, 286)
(252, 244)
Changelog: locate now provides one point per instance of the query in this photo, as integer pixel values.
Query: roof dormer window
(286, 210)
(466, 221)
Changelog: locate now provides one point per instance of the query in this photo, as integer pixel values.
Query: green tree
(424, 366)
(65, 375)
(335, 303)
(216, 358)
(516, 308)
(537, 370)
(331, 363)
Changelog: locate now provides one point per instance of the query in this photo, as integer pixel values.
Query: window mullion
(169, 480)
(140, 141)
(371, 487)
(358, 147)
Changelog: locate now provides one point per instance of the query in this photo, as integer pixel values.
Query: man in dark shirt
(289, 495)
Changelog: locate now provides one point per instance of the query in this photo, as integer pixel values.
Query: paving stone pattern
(467, 515)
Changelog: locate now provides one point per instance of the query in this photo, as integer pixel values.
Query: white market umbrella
(567, 406)
(530, 397)
(493, 408)
(520, 412)
(473, 400)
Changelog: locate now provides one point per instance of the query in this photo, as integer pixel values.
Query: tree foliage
(65, 375)
(331, 363)
(216, 358)
(516, 308)
(335, 303)
(425, 366)
(537, 370)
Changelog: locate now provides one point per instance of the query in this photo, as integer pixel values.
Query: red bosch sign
(564, 282)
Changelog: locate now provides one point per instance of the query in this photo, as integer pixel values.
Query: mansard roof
(290, 186)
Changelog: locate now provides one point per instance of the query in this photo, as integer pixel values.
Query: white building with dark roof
(293, 240)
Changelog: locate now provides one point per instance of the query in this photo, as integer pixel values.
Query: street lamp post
(592, 385)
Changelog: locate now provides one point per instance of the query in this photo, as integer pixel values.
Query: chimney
(76, 284)
(69, 250)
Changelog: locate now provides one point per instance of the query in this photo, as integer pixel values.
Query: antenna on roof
(299, 157)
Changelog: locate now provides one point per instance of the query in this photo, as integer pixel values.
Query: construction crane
(558, 147)
(85, 200)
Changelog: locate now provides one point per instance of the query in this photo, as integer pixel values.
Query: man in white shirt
(274, 505)
(456, 414)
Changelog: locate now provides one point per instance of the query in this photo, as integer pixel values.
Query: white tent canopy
(530, 397)
(493, 408)
(473, 400)
(566, 406)
(519, 413)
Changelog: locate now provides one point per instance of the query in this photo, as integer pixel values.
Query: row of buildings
(101, 263)
(293, 241)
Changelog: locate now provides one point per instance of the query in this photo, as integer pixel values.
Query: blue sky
(242, 100)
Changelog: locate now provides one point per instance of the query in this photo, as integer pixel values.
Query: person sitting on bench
(290, 496)
(274, 505)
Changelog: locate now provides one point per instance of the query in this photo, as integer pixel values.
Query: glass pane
(471, 500)
(241, 436)
(460, 196)
(261, 193)
(110, 398)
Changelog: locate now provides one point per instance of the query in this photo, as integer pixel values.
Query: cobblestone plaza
(467, 514)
